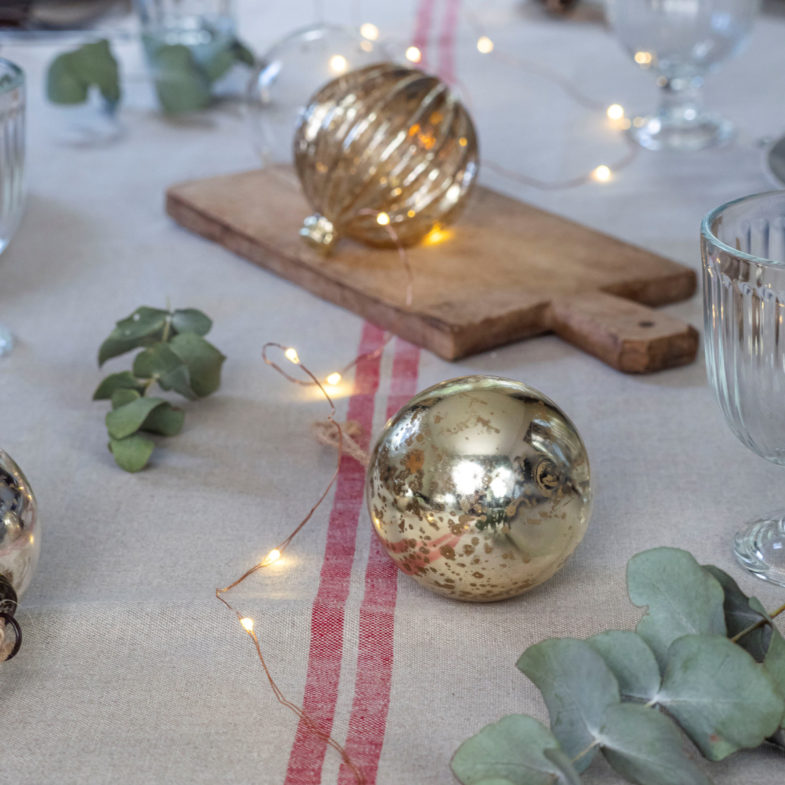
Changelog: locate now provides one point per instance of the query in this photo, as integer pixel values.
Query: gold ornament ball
(384, 154)
(479, 488)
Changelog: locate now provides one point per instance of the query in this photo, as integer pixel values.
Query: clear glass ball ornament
(291, 72)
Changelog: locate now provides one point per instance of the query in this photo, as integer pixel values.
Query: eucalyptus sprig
(71, 75)
(705, 661)
(175, 356)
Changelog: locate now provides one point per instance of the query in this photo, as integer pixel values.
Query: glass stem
(681, 101)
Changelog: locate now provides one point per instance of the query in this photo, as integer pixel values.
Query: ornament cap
(319, 232)
(8, 598)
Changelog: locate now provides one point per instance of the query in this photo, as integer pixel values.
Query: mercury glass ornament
(479, 488)
(291, 72)
(385, 154)
(20, 540)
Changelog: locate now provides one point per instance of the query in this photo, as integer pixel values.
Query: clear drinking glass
(12, 160)
(743, 250)
(680, 41)
(205, 27)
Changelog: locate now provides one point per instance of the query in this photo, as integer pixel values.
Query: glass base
(760, 547)
(663, 132)
(6, 340)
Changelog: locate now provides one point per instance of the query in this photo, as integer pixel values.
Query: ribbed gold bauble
(479, 488)
(384, 154)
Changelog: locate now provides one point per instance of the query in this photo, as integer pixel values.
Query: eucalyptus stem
(582, 753)
(758, 624)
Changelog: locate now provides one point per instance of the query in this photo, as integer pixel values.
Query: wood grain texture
(505, 271)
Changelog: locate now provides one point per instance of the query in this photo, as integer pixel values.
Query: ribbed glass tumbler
(12, 162)
(743, 250)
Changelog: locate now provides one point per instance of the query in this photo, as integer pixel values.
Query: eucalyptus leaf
(219, 64)
(143, 327)
(577, 687)
(128, 419)
(191, 320)
(124, 380)
(741, 613)
(645, 746)
(517, 750)
(133, 452)
(720, 696)
(204, 362)
(631, 661)
(242, 53)
(682, 598)
(63, 86)
(72, 74)
(166, 420)
(180, 83)
(122, 396)
(775, 662)
(169, 370)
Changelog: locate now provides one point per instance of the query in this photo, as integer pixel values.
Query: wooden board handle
(626, 335)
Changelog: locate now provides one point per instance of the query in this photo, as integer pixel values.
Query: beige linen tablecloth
(131, 671)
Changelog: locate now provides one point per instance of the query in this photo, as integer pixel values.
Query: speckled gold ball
(479, 488)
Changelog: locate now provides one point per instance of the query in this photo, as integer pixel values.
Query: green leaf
(95, 64)
(513, 751)
(242, 53)
(741, 613)
(204, 362)
(219, 64)
(720, 696)
(124, 380)
(644, 746)
(775, 662)
(123, 396)
(72, 74)
(63, 86)
(577, 687)
(143, 327)
(162, 363)
(166, 420)
(181, 85)
(132, 453)
(128, 419)
(631, 661)
(682, 598)
(191, 320)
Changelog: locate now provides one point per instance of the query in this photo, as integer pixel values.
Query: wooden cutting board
(504, 271)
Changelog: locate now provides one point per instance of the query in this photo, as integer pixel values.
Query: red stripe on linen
(447, 42)
(368, 719)
(324, 658)
(422, 28)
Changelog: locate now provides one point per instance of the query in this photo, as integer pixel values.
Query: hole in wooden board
(645, 324)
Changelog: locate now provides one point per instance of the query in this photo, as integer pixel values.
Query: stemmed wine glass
(680, 41)
(12, 158)
(743, 250)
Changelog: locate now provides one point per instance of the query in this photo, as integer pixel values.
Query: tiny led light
(413, 54)
(273, 556)
(334, 378)
(602, 173)
(369, 31)
(338, 64)
(643, 58)
(383, 219)
(291, 355)
(484, 45)
(247, 623)
(615, 112)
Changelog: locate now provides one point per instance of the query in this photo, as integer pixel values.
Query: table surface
(131, 671)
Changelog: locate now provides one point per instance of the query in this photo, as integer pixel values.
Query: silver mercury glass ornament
(20, 544)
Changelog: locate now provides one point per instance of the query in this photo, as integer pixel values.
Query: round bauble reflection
(479, 488)
(291, 72)
(20, 539)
